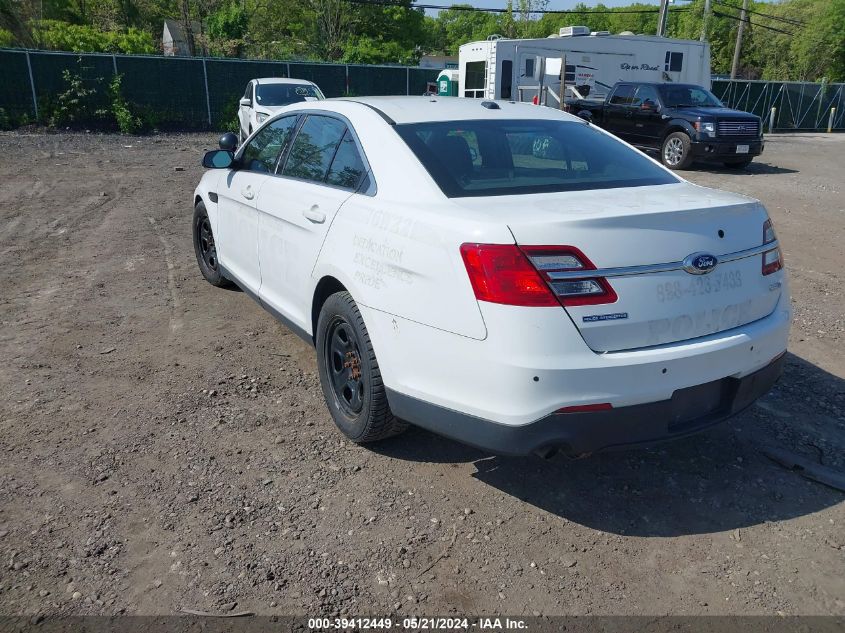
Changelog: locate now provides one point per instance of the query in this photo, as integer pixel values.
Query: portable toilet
(447, 82)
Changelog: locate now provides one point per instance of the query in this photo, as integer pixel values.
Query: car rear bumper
(726, 150)
(688, 411)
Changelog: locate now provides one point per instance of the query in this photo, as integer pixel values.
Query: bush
(127, 121)
(5, 120)
(63, 36)
(228, 121)
(7, 40)
(73, 105)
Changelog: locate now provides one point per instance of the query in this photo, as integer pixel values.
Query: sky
(553, 4)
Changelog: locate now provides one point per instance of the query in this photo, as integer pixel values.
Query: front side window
(314, 148)
(262, 151)
(511, 157)
(284, 94)
(646, 94)
(623, 95)
(248, 92)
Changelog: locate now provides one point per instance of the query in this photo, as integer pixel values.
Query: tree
(227, 27)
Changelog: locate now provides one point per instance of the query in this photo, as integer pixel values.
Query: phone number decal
(705, 285)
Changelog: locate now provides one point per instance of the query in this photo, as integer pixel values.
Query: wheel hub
(343, 361)
(674, 150)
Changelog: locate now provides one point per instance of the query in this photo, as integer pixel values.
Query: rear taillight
(557, 263)
(504, 273)
(772, 259)
(500, 273)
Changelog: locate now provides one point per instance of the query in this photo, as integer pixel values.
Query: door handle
(314, 215)
(247, 192)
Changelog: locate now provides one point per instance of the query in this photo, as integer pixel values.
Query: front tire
(206, 249)
(350, 375)
(676, 152)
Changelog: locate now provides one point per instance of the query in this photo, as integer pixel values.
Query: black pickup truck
(684, 122)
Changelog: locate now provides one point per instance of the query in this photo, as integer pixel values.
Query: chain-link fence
(188, 93)
(786, 105)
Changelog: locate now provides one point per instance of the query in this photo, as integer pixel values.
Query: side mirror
(586, 115)
(245, 101)
(228, 141)
(218, 159)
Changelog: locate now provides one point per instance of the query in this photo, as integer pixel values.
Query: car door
(646, 119)
(618, 112)
(320, 170)
(237, 231)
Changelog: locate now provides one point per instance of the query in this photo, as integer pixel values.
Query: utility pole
(742, 19)
(704, 18)
(661, 18)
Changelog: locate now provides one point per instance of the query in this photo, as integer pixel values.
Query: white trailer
(522, 70)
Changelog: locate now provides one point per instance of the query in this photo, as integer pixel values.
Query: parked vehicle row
(505, 275)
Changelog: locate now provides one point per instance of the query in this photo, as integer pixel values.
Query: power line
(458, 7)
(791, 21)
(750, 23)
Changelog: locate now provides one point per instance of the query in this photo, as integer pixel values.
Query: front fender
(680, 125)
(207, 192)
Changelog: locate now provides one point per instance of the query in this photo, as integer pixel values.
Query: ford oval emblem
(700, 263)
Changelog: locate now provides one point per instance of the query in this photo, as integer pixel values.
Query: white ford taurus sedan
(505, 275)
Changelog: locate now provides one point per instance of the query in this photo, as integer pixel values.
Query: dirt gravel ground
(164, 444)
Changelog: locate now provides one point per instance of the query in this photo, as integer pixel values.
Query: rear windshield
(496, 158)
(283, 94)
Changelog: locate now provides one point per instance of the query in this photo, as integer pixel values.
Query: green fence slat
(15, 89)
(171, 89)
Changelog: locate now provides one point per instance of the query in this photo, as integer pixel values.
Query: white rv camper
(522, 70)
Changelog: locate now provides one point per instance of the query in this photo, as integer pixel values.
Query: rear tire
(206, 249)
(350, 375)
(675, 152)
(737, 164)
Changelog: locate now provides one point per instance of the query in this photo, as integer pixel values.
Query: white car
(265, 97)
(505, 275)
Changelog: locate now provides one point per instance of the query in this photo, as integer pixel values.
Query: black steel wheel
(349, 373)
(206, 249)
(343, 361)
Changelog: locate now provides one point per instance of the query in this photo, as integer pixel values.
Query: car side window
(347, 167)
(264, 148)
(248, 92)
(314, 148)
(645, 94)
(623, 95)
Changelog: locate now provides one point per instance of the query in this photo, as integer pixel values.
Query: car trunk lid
(639, 239)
